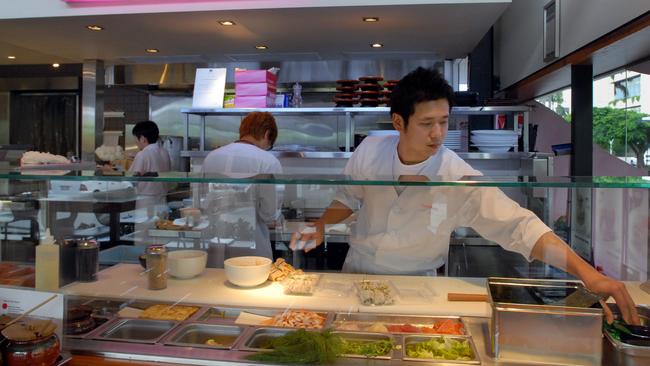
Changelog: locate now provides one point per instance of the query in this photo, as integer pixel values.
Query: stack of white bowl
(494, 140)
(452, 141)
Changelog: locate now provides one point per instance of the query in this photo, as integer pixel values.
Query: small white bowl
(186, 264)
(248, 271)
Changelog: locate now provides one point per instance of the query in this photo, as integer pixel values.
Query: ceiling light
(11, 57)
(55, 66)
(371, 19)
(94, 27)
(152, 50)
(376, 45)
(261, 47)
(226, 22)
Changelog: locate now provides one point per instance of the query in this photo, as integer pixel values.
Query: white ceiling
(440, 30)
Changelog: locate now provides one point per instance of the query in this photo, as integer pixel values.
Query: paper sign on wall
(209, 87)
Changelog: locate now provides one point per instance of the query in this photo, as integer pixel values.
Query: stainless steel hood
(181, 75)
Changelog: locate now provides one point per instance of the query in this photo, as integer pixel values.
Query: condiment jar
(87, 261)
(68, 261)
(157, 266)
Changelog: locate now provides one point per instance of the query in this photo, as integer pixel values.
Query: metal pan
(199, 335)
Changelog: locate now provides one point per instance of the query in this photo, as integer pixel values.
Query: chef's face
(141, 142)
(426, 130)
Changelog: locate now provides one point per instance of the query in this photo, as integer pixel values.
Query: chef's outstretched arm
(550, 249)
(335, 213)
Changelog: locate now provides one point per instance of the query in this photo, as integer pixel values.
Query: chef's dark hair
(148, 129)
(420, 85)
(256, 124)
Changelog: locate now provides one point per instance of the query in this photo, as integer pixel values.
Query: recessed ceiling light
(11, 57)
(261, 47)
(152, 50)
(376, 45)
(95, 27)
(226, 22)
(370, 19)
(55, 65)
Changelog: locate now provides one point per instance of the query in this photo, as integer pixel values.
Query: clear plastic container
(376, 292)
(303, 284)
(332, 287)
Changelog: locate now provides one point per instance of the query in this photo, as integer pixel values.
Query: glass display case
(441, 236)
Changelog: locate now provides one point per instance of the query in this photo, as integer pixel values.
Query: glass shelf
(480, 181)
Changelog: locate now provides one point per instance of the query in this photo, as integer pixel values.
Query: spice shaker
(87, 261)
(68, 261)
(157, 266)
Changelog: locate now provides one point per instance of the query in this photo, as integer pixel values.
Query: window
(627, 88)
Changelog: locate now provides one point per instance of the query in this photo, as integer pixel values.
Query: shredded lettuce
(444, 348)
(368, 349)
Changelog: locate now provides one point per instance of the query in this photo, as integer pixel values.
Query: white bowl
(247, 271)
(186, 264)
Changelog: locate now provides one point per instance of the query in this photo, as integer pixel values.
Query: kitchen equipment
(247, 271)
(526, 311)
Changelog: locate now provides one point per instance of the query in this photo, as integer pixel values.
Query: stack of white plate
(453, 140)
(494, 140)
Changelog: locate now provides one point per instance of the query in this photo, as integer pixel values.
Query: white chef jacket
(240, 160)
(153, 158)
(409, 233)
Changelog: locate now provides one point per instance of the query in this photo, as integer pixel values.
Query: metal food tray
(408, 339)
(519, 305)
(367, 337)
(230, 314)
(196, 335)
(621, 353)
(136, 330)
(415, 320)
(262, 335)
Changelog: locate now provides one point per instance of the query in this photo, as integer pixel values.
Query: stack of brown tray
(345, 96)
(370, 90)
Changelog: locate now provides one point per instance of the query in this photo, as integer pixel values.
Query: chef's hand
(308, 238)
(605, 286)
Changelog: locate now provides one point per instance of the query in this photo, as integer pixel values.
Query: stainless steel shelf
(342, 110)
(347, 155)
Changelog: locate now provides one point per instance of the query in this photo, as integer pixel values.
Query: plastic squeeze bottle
(47, 264)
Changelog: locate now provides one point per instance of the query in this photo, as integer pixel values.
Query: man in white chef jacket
(258, 204)
(406, 230)
(152, 158)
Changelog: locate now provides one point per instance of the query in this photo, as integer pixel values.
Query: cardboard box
(255, 76)
(255, 101)
(253, 89)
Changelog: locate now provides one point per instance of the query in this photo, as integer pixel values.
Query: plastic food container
(373, 292)
(304, 284)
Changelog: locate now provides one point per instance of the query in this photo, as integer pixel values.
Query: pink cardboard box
(255, 101)
(255, 76)
(251, 89)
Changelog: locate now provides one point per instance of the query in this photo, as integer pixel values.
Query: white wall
(518, 33)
